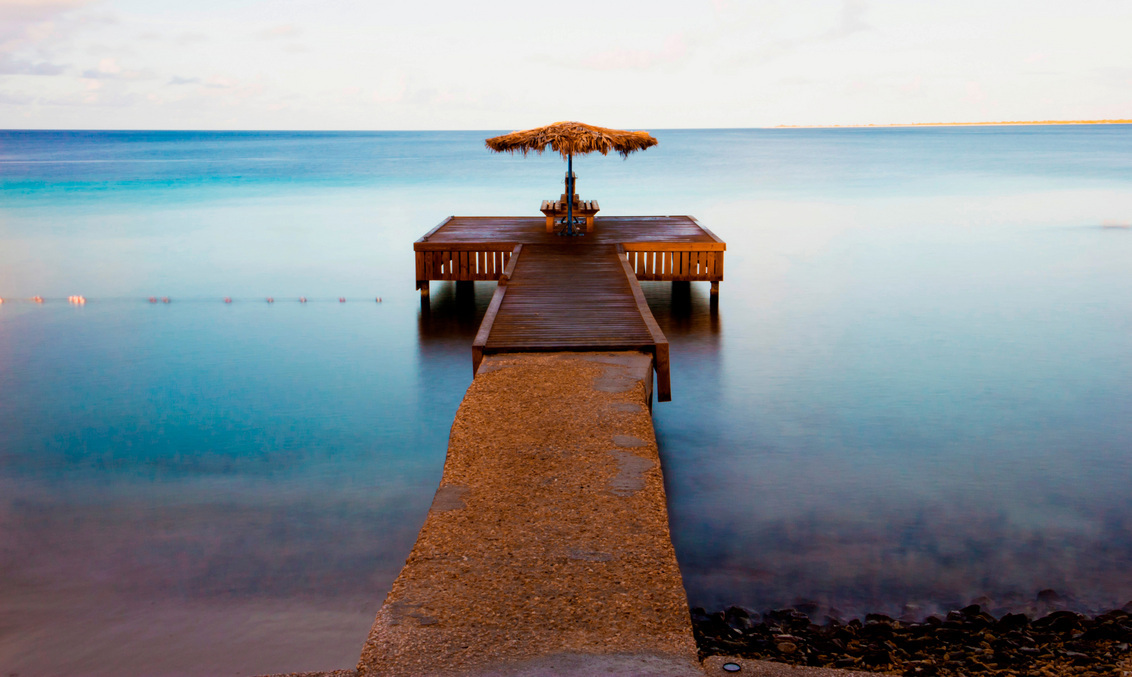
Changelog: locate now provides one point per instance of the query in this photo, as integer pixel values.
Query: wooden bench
(583, 209)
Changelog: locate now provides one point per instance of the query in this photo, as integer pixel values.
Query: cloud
(281, 31)
(26, 11)
(13, 66)
(7, 98)
(850, 21)
(674, 49)
(191, 38)
(218, 82)
(1120, 76)
(30, 33)
(178, 80)
(393, 89)
(108, 69)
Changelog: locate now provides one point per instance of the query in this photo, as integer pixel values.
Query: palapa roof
(571, 138)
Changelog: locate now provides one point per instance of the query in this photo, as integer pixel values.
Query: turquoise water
(916, 389)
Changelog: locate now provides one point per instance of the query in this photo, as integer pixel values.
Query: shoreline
(966, 641)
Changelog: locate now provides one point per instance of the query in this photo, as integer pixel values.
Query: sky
(506, 64)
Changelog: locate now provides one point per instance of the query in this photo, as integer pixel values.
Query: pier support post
(715, 288)
(423, 286)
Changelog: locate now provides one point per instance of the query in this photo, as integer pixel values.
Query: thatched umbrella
(568, 139)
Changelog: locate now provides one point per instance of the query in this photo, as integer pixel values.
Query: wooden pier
(560, 293)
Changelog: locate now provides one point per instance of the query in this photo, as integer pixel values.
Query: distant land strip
(968, 124)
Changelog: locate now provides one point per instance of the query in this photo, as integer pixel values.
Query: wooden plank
(434, 230)
(660, 353)
(463, 246)
(485, 327)
(663, 373)
(531, 230)
(674, 246)
(597, 313)
(708, 232)
(512, 261)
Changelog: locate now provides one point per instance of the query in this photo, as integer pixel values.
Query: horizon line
(1002, 123)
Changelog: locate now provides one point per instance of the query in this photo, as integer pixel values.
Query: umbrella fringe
(572, 138)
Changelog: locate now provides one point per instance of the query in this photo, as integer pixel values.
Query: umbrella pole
(570, 194)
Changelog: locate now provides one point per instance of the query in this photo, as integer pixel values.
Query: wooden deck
(571, 293)
(558, 298)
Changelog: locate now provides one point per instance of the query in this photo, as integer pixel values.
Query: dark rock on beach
(968, 641)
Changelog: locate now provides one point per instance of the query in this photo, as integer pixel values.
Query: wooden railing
(676, 262)
(462, 262)
(493, 309)
(660, 350)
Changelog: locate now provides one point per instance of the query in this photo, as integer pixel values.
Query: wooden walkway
(571, 293)
(569, 298)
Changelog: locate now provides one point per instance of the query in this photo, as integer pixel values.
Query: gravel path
(547, 549)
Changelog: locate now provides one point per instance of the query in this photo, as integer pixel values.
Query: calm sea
(916, 390)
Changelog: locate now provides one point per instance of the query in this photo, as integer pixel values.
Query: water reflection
(686, 312)
(175, 470)
(896, 424)
(452, 311)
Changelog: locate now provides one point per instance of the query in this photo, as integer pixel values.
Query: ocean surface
(916, 390)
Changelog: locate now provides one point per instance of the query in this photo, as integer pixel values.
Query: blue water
(916, 389)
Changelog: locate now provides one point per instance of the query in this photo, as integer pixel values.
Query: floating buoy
(302, 299)
(165, 299)
(1, 300)
(37, 299)
(77, 300)
(341, 299)
(227, 299)
(379, 299)
(153, 299)
(270, 299)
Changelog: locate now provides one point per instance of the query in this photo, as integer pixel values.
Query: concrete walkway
(546, 551)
